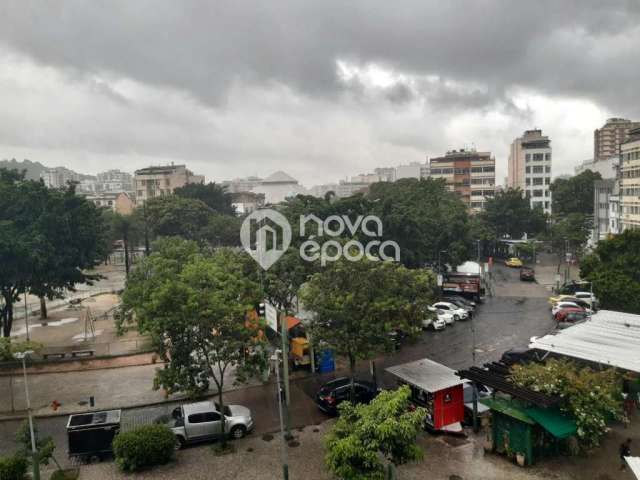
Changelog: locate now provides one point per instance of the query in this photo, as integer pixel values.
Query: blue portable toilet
(327, 363)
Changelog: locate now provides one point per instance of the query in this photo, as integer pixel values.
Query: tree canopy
(48, 240)
(614, 271)
(509, 214)
(212, 195)
(574, 195)
(195, 306)
(591, 397)
(365, 437)
(357, 304)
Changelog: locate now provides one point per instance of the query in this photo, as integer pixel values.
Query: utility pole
(34, 452)
(285, 462)
(284, 334)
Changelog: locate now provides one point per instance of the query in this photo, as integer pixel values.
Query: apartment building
(59, 177)
(529, 168)
(153, 182)
(118, 202)
(607, 140)
(630, 180)
(470, 174)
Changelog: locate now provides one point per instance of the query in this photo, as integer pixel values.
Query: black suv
(338, 390)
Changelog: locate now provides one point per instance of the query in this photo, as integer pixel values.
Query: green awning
(553, 421)
(509, 408)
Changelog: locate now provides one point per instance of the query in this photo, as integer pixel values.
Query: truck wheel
(456, 318)
(179, 443)
(238, 432)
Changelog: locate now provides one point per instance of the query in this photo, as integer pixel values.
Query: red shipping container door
(448, 407)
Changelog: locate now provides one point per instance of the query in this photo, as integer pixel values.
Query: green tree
(591, 397)
(173, 215)
(357, 304)
(194, 306)
(509, 214)
(125, 228)
(614, 271)
(569, 233)
(574, 195)
(424, 217)
(48, 241)
(45, 446)
(212, 195)
(365, 437)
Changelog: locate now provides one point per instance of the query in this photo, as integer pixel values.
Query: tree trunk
(43, 308)
(125, 241)
(223, 439)
(352, 373)
(7, 314)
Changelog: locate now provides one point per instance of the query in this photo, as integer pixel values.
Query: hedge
(13, 468)
(144, 447)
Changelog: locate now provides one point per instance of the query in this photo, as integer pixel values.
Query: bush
(69, 474)
(13, 468)
(144, 447)
(9, 348)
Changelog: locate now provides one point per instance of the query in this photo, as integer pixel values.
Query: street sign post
(271, 316)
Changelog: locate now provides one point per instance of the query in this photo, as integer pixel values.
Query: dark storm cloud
(576, 48)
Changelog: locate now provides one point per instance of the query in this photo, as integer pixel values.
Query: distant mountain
(34, 169)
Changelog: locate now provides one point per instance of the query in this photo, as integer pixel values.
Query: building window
(546, 205)
(547, 181)
(547, 156)
(547, 193)
(538, 169)
(527, 169)
(527, 181)
(537, 181)
(547, 169)
(538, 157)
(527, 157)
(537, 193)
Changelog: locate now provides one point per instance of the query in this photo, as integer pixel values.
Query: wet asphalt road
(500, 323)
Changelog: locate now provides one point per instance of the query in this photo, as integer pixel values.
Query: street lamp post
(285, 463)
(34, 452)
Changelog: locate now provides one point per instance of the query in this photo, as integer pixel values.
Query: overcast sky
(321, 89)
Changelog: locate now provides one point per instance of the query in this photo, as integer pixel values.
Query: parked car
(588, 297)
(332, 393)
(514, 355)
(569, 298)
(570, 316)
(445, 316)
(467, 393)
(527, 274)
(457, 298)
(513, 262)
(457, 312)
(562, 305)
(202, 421)
(570, 304)
(469, 309)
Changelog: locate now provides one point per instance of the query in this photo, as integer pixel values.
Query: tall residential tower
(530, 168)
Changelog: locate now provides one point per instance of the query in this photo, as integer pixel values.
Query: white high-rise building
(530, 168)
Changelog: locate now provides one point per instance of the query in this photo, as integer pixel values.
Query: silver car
(202, 421)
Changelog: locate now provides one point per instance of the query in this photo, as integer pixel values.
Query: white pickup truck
(202, 421)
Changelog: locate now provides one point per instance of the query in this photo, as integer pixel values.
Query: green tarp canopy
(553, 421)
(508, 408)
